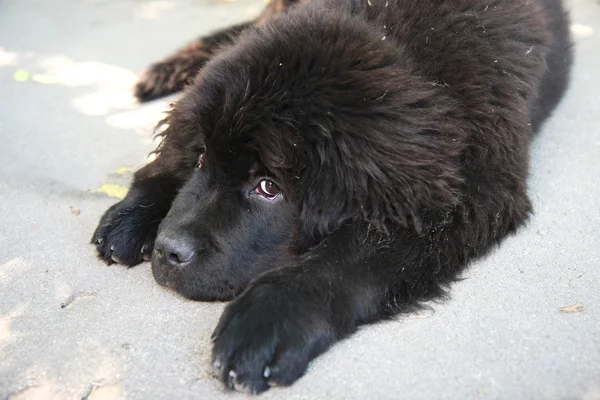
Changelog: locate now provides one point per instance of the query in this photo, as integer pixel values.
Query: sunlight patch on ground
(111, 86)
(581, 30)
(103, 101)
(43, 391)
(7, 58)
(12, 268)
(141, 119)
(113, 93)
(152, 9)
(98, 379)
(112, 392)
(8, 271)
(73, 73)
(6, 333)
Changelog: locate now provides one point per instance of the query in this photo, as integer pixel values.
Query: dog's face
(228, 224)
(292, 142)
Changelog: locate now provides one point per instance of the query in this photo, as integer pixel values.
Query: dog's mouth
(193, 286)
(167, 273)
(161, 274)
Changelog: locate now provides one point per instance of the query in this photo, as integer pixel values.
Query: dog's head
(306, 123)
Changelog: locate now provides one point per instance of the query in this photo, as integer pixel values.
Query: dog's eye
(201, 160)
(268, 189)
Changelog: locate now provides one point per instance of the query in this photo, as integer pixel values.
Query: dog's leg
(176, 71)
(127, 230)
(288, 316)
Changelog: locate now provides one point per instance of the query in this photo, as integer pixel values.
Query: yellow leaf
(21, 75)
(122, 170)
(112, 190)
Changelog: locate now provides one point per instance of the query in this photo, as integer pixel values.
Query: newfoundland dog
(336, 162)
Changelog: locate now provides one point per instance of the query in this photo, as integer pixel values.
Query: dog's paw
(267, 337)
(172, 74)
(126, 233)
(158, 81)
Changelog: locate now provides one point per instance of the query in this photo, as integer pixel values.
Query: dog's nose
(174, 252)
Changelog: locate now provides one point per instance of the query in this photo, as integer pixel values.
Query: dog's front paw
(267, 337)
(126, 233)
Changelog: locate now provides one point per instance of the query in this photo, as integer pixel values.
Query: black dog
(337, 164)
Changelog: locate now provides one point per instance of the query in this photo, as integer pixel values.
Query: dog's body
(338, 164)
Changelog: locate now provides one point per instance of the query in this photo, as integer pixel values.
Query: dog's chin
(192, 286)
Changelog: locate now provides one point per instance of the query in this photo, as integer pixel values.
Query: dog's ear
(386, 162)
(181, 141)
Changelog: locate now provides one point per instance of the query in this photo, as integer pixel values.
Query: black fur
(398, 133)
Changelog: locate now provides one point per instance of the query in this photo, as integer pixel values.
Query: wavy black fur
(398, 132)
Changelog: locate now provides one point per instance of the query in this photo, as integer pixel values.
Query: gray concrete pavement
(71, 327)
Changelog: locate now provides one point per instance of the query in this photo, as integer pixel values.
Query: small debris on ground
(421, 316)
(424, 314)
(75, 211)
(76, 296)
(572, 309)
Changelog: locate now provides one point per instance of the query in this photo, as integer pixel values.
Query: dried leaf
(424, 314)
(421, 316)
(572, 309)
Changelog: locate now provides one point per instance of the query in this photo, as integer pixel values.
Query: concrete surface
(71, 327)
